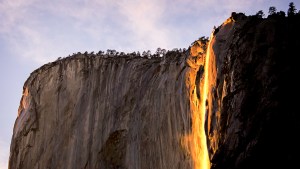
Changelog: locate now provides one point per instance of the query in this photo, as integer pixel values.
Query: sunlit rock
(226, 103)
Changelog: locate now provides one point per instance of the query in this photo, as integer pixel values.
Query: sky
(35, 32)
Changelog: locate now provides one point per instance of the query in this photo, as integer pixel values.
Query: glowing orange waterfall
(196, 141)
(205, 164)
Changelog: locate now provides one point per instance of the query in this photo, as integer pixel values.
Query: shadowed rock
(127, 112)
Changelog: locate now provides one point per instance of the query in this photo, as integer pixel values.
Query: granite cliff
(224, 104)
(104, 112)
(252, 114)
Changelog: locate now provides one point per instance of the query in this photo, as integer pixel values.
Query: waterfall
(196, 141)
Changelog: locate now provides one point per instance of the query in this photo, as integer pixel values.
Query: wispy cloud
(144, 20)
(19, 30)
(11, 12)
(41, 30)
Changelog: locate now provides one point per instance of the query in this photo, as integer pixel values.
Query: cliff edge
(252, 116)
(105, 112)
(224, 104)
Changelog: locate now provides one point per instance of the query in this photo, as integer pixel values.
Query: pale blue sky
(35, 32)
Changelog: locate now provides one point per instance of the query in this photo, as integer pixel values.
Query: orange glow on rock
(23, 103)
(195, 143)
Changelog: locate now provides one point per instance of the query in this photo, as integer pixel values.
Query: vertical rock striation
(95, 112)
(252, 116)
(89, 111)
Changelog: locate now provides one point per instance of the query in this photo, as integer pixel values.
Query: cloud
(144, 20)
(123, 25)
(41, 31)
(18, 29)
(12, 12)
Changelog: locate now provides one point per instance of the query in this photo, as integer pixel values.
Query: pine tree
(260, 14)
(292, 9)
(272, 10)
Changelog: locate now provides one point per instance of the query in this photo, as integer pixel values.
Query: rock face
(89, 111)
(95, 112)
(252, 117)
